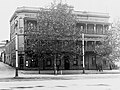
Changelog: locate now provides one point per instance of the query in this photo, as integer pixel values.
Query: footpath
(68, 72)
(7, 73)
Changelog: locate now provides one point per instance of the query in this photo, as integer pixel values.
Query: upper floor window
(31, 25)
(80, 27)
(12, 28)
(99, 29)
(105, 29)
(90, 28)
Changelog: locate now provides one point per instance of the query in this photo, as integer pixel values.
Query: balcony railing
(89, 48)
(95, 32)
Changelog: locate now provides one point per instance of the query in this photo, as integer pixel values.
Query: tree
(109, 48)
(115, 30)
(55, 25)
(103, 49)
(56, 21)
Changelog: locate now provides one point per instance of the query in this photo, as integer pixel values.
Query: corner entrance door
(21, 61)
(66, 63)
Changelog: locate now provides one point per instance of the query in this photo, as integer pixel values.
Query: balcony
(94, 35)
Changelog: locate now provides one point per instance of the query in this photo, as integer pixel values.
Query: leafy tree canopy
(57, 21)
(109, 48)
(56, 25)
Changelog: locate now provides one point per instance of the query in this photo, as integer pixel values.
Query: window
(28, 42)
(104, 62)
(99, 29)
(75, 62)
(58, 62)
(80, 27)
(31, 25)
(90, 28)
(48, 62)
(105, 29)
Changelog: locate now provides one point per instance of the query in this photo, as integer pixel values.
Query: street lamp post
(83, 52)
(55, 67)
(16, 46)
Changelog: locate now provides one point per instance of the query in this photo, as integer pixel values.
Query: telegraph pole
(16, 46)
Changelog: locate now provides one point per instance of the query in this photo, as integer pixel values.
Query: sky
(8, 7)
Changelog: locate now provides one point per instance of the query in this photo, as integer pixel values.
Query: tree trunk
(55, 68)
(39, 64)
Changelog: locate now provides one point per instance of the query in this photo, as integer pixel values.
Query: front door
(66, 63)
(21, 61)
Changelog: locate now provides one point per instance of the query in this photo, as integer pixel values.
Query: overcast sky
(8, 7)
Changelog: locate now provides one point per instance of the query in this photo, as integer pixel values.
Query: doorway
(66, 62)
(21, 61)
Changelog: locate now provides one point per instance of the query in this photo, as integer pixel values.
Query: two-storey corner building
(93, 24)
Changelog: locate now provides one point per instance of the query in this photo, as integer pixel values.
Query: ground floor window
(48, 62)
(75, 62)
(58, 62)
(33, 63)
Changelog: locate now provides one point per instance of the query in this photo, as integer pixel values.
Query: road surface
(57, 82)
(95, 82)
